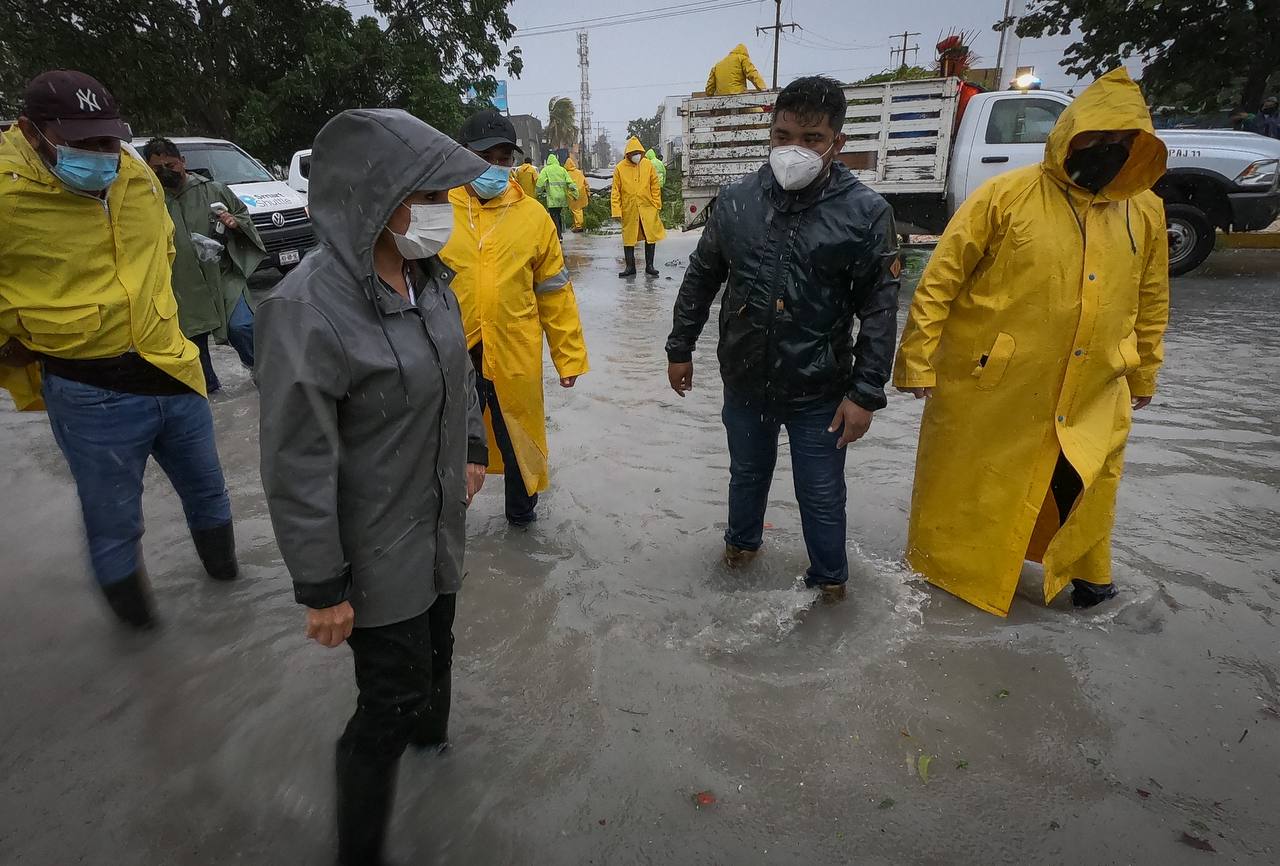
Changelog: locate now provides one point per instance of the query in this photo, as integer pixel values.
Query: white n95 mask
(796, 167)
(430, 226)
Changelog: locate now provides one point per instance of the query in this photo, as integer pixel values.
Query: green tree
(1190, 51)
(647, 129)
(265, 73)
(562, 122)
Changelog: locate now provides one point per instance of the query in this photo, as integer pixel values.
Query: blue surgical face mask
(493, 182)
(84, 170)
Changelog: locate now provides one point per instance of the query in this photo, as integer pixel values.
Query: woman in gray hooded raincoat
(372, 440)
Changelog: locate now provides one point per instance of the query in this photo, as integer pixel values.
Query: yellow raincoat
(513, 287)
(527, 176)
(579, 204)
(637, 198)
(85, 278)
(1041, 313)
(731, 74)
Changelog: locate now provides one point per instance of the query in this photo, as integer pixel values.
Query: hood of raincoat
(650, 154)
(353, 196)
(740, 49)
(633, 146)
(553, 161)
(1111, 103)
(570, 165)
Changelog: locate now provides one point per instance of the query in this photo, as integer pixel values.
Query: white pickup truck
(905, 143)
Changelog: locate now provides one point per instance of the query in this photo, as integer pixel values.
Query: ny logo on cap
(88, 100)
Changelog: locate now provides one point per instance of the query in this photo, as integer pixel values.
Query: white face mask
(635, 158)
(430, 226)
(796, 167)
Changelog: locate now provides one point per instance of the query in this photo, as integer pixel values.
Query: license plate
(289, 257)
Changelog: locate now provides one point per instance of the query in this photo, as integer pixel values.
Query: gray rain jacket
(369, 410)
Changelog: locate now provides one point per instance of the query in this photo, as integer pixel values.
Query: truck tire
(1191, 237)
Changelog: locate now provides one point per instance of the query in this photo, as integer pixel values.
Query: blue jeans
(239, 335)
(107, 437)
(817, 466)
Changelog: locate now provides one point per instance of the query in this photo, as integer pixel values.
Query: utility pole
(905, 35)
(584, 98)
(777, 29)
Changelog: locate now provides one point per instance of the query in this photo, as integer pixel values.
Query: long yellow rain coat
(513, 287)
(1041, 313)
(579, 204)
(637, 197)
(81, 277)
(527, 176)
(731, 74)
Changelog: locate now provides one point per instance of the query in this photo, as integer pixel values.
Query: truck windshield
(223, 163)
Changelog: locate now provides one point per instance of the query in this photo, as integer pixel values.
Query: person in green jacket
(555, 187)
(211, 285)
(659, 166)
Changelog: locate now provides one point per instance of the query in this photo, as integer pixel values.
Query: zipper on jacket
(775, 301)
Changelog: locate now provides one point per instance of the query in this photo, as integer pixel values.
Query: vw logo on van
(277, 219)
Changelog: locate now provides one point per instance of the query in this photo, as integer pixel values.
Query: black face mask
(1095, 167)
(169, 178)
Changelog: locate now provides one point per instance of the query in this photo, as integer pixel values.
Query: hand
(681, 377)
(330, 626)
(920, 393)
(1141, 403)
(568, 381)
(228, 220)
(14, 354)
(854, 420)
(475, 480)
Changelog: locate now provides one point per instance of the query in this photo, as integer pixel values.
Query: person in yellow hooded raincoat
(526, 174)
(89, 331)
(637, 201)
(578, 203)
(1036, 329)
(513, 287)
(732, 73)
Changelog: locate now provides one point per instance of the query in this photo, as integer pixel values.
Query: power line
(631, 17)
(777, 29)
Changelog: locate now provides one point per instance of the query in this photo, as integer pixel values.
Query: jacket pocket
(166, 304)
(1129, 354)
(992, 366)
(56, 329)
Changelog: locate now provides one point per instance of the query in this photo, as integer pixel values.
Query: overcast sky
(634, 66)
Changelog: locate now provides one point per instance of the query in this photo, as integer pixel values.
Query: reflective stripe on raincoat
(731, 74)
(1041, 313)
(555, 184)
(83, 277)
(512, 287)
(637, 197)
(659, 166)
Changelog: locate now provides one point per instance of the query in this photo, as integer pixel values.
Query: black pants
(521, 505)
(1066, 486)
(403, 674)
(557, 217)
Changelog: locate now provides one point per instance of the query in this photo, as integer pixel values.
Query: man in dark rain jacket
(806, 249)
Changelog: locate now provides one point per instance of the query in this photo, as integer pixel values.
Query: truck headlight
(1260, 173)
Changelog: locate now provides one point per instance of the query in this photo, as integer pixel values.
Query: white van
(300, 171)
(279, 212)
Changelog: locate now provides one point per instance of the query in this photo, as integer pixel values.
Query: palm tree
(562, 130)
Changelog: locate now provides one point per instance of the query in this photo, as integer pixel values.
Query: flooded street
(609, 669)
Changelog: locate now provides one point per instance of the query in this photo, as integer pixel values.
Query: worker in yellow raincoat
(637, 201)
(578, 203)
(527, 176)
(731, 74)
(1035, 331)
(513, 287)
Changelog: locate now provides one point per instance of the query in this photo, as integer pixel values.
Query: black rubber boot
(649, 250)
(130, 601)
(365, 791)
(1085, 594)
(217, 550)
(630, 254)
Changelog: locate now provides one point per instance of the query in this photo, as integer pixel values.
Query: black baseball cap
(486, 129)
(75, 104)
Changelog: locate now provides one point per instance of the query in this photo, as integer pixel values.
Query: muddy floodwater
(609, 670)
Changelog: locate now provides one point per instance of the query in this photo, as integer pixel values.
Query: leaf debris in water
(1196, 842)
(886, 803)
(922, 766)
(704, 798)
(1002, 694)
